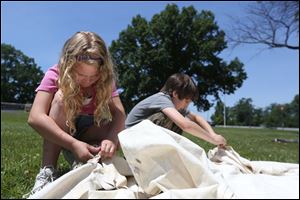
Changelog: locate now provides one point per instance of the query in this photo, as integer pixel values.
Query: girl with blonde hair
(77, 108)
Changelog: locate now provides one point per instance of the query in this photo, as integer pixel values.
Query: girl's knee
(57, 111)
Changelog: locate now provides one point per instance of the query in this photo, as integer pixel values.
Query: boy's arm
(193, 128)
(201, 122)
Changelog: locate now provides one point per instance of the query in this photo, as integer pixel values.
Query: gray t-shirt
(148, 107)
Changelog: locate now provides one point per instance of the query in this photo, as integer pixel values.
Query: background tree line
(20, 76)
(244, 113)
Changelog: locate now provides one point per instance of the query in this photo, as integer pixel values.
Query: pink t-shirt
(49, 84)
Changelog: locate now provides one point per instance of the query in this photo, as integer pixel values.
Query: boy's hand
(220, 140)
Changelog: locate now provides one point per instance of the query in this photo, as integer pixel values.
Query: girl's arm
(118, 118)
(40, 121)
(110, 144)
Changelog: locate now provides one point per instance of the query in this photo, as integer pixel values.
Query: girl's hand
(84, 151)
(108, 148)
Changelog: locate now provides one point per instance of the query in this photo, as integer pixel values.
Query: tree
(274, 115)
(272, 23)
(243, 112)
(218, 116)
(257, 117)
(283, 115)
(293, 110)
(147, 53)
(290, 113)
(19, 76)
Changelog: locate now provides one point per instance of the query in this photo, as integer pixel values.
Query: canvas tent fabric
(161, 164)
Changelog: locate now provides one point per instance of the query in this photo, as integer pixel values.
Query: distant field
(21, 149)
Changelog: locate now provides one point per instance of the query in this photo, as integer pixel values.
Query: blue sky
(39, 30)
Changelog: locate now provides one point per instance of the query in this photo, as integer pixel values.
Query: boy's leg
(162, 120)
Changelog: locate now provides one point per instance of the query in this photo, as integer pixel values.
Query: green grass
(21, 149)
(257, 144)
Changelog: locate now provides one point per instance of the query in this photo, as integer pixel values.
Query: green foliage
(292, 112)
(21, 149)
(147, 53)
(258, 117)
(19, 76)
(244, 114)
(218, 116)
(274, 115)
(283, 115)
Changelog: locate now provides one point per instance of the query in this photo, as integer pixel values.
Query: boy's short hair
(183, 85)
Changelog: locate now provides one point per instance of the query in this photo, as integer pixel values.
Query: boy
(167, 108)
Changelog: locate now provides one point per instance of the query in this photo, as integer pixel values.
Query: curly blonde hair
(89, 48)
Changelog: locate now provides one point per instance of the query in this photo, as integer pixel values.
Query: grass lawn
(21, 149)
